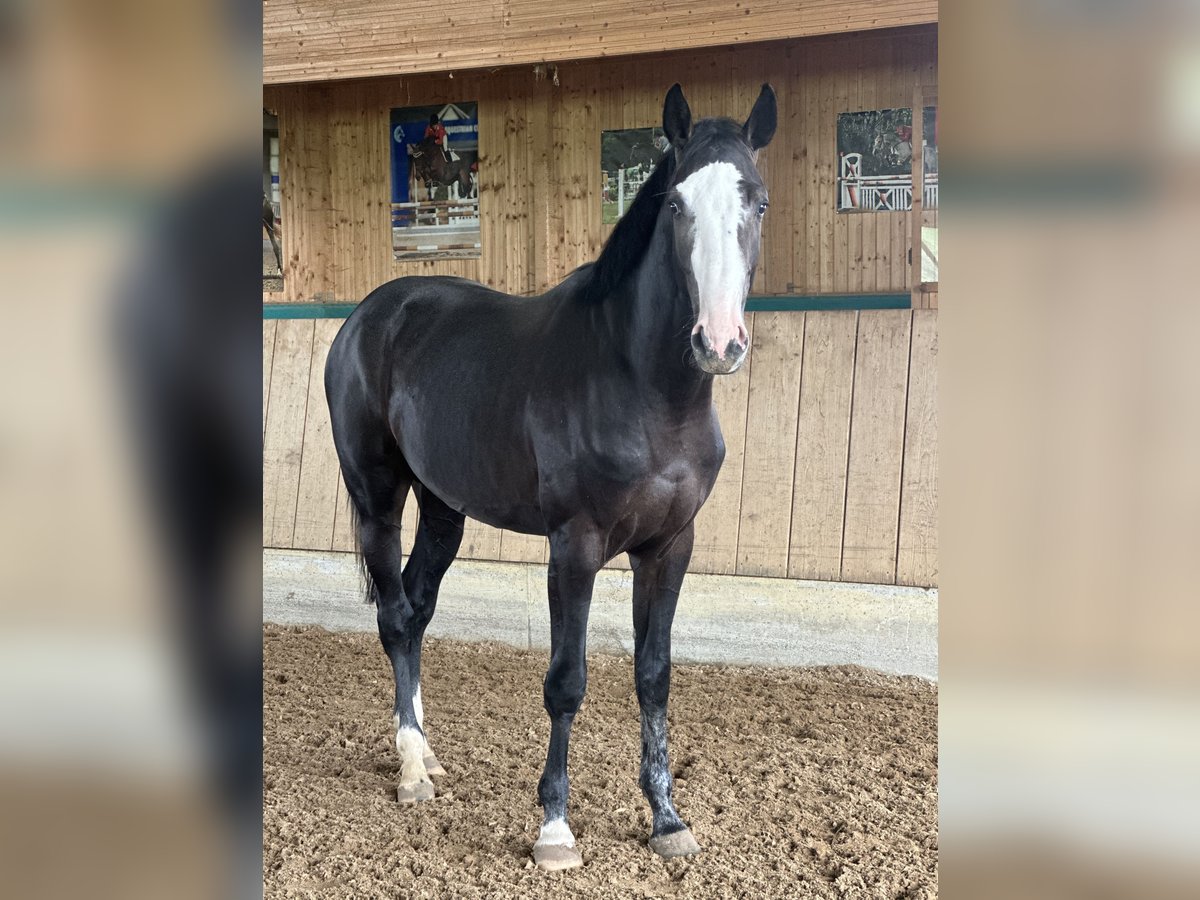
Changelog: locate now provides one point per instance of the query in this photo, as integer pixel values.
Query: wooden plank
(319, 40)
(843, 76)
(579, 122)
(876, 446)
(283, 441)
(716, 542)
(493, 168)
(917, 554)
(813, 196)
(854, 221)
(868, 99)
(918, 194)
(542, 240)
(516, 547)
(780, 175)
(822, 445)
(884, 58)
(316, 503)
(267, 357)
(408, 523)
(480, 541)
(826, 161)
(766, 508)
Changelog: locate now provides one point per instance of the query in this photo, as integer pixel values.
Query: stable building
(540, 120)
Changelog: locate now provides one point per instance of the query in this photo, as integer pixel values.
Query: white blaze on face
(718, 264)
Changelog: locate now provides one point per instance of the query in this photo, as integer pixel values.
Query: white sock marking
(556, 832)
(411, 745)
(419, 707)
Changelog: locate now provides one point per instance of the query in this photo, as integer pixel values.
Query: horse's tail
(370, 592)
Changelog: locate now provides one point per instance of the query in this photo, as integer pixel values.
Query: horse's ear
(760, 127)
(677, 117)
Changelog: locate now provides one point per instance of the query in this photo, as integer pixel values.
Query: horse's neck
(657, 328)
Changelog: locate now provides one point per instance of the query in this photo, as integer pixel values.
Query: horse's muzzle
(715, 363)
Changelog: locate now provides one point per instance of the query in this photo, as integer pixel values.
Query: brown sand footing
(797, 782)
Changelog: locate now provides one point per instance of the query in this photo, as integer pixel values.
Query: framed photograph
(626, 160)
(875, 158)
(435, 181)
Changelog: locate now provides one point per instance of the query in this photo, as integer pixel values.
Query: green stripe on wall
(307, 310)
(797, 303)
(784, 303)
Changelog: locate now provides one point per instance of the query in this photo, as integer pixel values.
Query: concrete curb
(721, 618)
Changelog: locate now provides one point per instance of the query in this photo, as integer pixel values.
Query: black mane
(628, 242)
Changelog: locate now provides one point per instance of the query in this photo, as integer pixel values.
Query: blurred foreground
(1070, 433)
(130, 756)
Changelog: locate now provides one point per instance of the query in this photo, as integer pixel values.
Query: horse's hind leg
(379, 503)
(439, 534)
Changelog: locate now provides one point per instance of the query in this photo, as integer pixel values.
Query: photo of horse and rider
(435, 181)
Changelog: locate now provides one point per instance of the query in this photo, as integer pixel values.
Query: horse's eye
(675, 210)
(762, 208)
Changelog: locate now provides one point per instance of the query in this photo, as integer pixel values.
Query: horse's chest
(649, 487)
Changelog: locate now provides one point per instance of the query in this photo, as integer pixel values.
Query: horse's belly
(521, 519)
(491, 480)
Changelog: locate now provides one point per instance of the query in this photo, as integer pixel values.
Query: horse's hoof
(432, 766)
(416, 792)
(677, 843)
(556, 857)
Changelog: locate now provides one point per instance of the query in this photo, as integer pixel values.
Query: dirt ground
(796, 782)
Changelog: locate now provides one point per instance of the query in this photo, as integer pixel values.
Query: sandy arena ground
(796, 782)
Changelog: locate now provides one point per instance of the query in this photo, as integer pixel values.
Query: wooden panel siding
(283, 438)
(822, 445)
(917, 560)
(316, 505)
(876, 446)
(320, 40)
(540, 163)
(830, 467)
(766, 503)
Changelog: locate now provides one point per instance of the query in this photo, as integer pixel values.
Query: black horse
(584, 414)
(432, 167)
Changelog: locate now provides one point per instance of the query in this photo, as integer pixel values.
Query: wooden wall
(540, 166)
(316, 40)
(830, 472)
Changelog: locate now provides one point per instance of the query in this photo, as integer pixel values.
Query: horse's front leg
(574, 561)
(656, 583)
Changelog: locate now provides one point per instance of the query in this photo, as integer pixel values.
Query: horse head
(717, 201)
